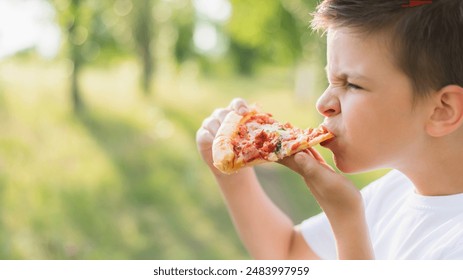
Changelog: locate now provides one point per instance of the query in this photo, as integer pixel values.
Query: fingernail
(242, 110)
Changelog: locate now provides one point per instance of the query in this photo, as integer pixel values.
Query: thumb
(310, 165)
(334, 192)
(315, 172)
(306, 165)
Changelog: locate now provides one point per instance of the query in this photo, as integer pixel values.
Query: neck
(438, 170)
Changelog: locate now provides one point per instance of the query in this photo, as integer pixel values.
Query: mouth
(327, 142)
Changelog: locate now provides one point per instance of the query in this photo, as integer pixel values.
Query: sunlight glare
(28, 24)
(217, 10)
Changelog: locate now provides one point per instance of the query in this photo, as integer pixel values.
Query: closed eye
(354, 86)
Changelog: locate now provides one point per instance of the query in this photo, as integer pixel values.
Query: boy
(394, 100)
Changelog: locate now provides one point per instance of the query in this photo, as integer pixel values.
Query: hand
(337, 196)
(341, 202)
(206, 133)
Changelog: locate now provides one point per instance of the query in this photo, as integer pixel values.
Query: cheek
(370, 136)
(361, 123)
(361, 147)
(374, 121)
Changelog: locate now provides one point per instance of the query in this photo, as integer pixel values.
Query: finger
(239, 105)
(220, 114)
(211, 124)
(315, 154)
(313, 171)
(307, 164)
(290, 163)
(204, 138)
(319, 158)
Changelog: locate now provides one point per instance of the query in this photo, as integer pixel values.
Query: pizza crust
(222, 149)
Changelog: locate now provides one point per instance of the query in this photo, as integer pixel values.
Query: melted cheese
(283, 138)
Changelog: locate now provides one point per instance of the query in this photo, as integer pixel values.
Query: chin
(349, 166)
(346, 169)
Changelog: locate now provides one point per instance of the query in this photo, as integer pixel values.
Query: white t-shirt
(402, 223)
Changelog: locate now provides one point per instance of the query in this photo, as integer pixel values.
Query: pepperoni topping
(260, 139)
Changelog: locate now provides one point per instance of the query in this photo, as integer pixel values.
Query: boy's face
(368, 105)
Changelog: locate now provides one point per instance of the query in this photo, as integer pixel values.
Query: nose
(328, 104)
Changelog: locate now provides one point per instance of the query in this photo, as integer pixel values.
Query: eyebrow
(350, 75)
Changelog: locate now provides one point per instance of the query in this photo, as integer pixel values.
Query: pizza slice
(256, 137)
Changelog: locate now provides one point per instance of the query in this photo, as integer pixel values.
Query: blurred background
(99, 105)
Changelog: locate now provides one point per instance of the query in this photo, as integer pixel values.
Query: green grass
(123, 180)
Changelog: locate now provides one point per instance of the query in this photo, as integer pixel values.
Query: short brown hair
(427, 40)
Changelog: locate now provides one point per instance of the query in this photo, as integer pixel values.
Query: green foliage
(99, 29)
(251, 20)
(268, 32)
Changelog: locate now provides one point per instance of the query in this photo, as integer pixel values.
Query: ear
(447, 111)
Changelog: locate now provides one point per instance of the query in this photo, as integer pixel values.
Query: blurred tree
(184, 22)
(143, 33)
(72, 21)
(258, 32)
(94, 31)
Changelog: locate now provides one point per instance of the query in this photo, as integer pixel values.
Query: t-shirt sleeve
(317, 233)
